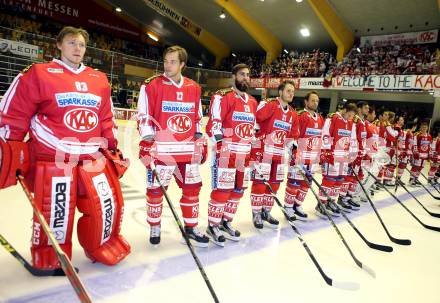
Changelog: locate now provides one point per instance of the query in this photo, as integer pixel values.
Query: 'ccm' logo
(81, 120)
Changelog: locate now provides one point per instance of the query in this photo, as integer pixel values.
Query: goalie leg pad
(100, 200)
(55, 197)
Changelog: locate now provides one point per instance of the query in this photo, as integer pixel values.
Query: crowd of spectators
(364, 61)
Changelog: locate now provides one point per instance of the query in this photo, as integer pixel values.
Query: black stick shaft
(395, 240)
(369, 244)
(182, 230)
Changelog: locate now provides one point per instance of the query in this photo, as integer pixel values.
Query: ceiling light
(285, 50)
(305, 32)
(234, 55)
(153, 37)
(118, 9)
(358, 49)
(222, 15)
(299, 1)
(200, 64)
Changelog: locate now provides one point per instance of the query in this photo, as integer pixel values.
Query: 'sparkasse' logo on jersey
(281, 124)
(243, 117)
(313, 131)
(344, 133)
(177, 107)
(78, 99)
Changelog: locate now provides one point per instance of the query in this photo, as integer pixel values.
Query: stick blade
(369, 270)
(351, 286)
(401, 241)
(384, 248)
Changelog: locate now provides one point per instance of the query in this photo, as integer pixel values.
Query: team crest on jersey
(281, 124)
(81, 120)
(243, 117)
(245, 131)
(284, 117)
(179, 123)
(55, 70)
(247, 109)
(78, 99)
(177, 107)
(314, 143)
(278, 136)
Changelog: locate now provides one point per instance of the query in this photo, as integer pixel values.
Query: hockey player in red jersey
(350, 189)
(305, 155)
(66, 109)
(387, 133)
(421, 148)
(231, 126)
(338, 143)
(394, 146)
(169, 117)
(277, 128)
(434, 159)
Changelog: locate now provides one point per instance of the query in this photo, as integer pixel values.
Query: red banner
(87, 14)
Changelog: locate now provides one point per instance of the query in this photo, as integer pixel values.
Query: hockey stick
(424, 187)
(358, 263)
(414, 197)
(32, 270)
(429, 183)
(380, 247)
(327, 279)
(65, 263)
(182, 230)
(395, 240)
(434, 228)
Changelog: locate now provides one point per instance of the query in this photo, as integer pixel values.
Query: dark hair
(424, 123)
(183, 55)
(70, 30)
(361, 104)
(350, 107)
(371, 109)
(238, 67)
(313, 92)
(284, 84)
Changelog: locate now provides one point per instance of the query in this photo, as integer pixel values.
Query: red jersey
(339, 136)
(409, 141)
(276, 125)
(372, 142)
(361, 133)
(401, 139)
(422, 145)
(65, 109)
(387, 132)
(435, 149)
(233, 117)
(310, 133)
(171, 113)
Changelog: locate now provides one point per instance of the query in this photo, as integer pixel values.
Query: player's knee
(220, 195)
(258, 188)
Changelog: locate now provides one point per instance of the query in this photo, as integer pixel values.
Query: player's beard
(242, 86)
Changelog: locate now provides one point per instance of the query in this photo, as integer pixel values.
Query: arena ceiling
(284, 18)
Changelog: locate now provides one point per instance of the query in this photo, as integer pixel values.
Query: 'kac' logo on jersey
(177, 107)
(179, 123)
(281, 124)
(245, 131)
(278, 136)
(81, 120)
(78, 99)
